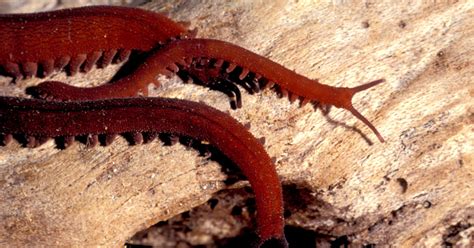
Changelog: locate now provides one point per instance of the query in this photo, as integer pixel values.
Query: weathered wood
(414, 190)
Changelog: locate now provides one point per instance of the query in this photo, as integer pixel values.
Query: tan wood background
(414, 190)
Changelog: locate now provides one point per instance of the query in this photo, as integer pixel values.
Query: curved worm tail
(359, 115)
(276, 242)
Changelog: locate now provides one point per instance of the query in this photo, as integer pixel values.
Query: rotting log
(414, 190)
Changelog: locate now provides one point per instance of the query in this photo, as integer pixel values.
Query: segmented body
(41, 120)
(77, 39)
(219, 59)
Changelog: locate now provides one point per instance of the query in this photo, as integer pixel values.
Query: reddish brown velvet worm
(181, 54)
(42, 119)
(78, 39)
(39, 43)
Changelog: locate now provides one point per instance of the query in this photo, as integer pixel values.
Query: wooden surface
(414, 190)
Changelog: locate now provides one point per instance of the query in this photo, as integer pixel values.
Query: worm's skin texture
(38, 43)
(39, 118)
(181, 54)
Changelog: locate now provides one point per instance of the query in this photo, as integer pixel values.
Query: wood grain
(414, 190)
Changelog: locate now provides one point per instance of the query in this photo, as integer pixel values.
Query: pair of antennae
(359, 115)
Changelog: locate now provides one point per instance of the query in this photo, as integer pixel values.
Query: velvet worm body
(226, 58)
(37, 44)
(41, 119)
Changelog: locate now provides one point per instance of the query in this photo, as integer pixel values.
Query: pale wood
(102, 196)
